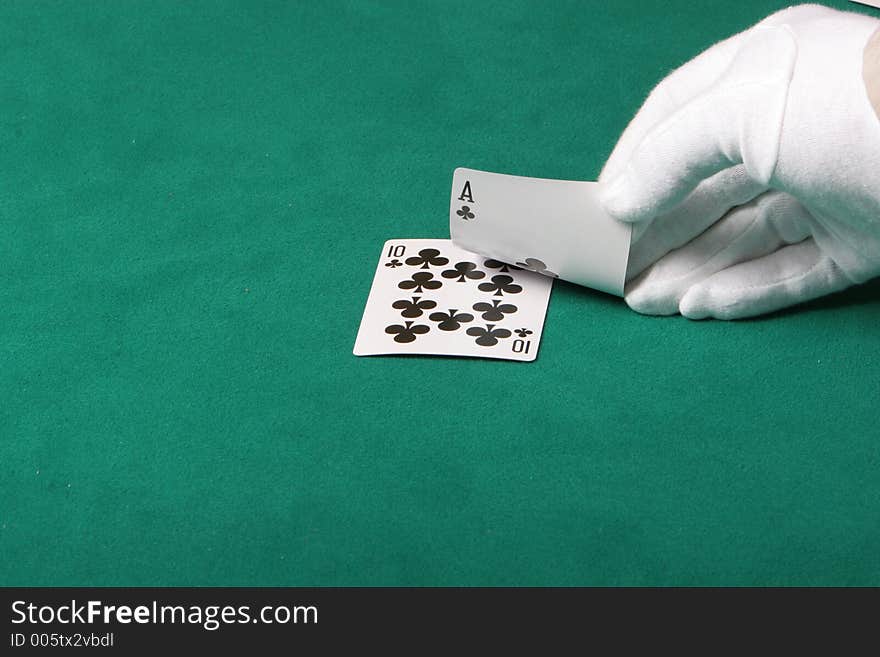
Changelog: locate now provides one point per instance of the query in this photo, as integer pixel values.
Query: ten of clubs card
(431, 297)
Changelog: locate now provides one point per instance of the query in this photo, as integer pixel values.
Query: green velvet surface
(193, 197)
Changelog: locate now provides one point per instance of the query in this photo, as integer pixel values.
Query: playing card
(431, 297)
(554, 227)
(870, 3)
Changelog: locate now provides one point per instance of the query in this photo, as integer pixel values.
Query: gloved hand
(752, 172)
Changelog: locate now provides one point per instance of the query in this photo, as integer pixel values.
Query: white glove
(753, 172)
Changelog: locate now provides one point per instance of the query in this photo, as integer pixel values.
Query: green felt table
(193, 197)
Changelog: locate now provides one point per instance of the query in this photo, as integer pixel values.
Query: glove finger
(748, 231)
(671, 94)
(791, 275)
(711, 200)
(736, 121)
